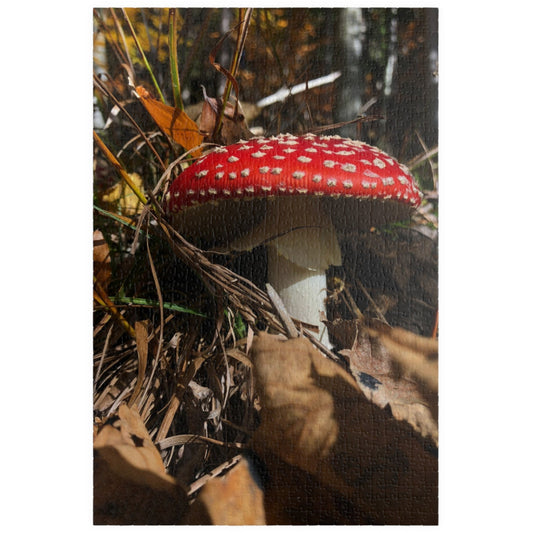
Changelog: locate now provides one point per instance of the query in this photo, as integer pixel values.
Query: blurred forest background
(383, 63)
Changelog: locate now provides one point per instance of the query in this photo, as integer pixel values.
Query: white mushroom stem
(301, 243)
(302, 291)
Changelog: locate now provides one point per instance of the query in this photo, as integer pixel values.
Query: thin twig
(292, 332)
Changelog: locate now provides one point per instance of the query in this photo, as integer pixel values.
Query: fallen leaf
(130, 482)
(374, 365)
(416, 354)
(173, 121)
(101, 259)
(314, 417)
(233, 499)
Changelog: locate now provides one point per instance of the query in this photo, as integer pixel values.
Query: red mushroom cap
(287, 165)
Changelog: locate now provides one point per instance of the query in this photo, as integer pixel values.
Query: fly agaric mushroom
(292, 194)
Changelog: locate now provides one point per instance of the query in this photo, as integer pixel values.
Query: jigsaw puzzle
(265, 266)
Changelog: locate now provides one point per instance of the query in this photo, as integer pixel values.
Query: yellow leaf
(122, 197)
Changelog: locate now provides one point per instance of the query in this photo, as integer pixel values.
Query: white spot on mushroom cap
(304, 159)
(349, 167)
(245, 172)
(232, 159)
(370, 174)
(232, 175)
(202, 173)
(264, 170)
(219, 175)
(379, 163)
(329, 163)
(331, 182)
(298, 175)
(259, 154)
(347, 184)
(276, 170)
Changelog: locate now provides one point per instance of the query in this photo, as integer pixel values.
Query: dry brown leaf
(234, 127)
(173, 121)
(342, 332)
(373, 364)
(233, 499)
(416, 354)
(314, 417)
(101, 259)
(130, 482)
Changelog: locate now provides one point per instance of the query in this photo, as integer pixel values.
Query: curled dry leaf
(373, 362)
(232, 499)
(130, 482)
(234, 126)
(314, 417)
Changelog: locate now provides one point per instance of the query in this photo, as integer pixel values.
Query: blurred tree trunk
(414, 95)
(389, 57)
(351, 87)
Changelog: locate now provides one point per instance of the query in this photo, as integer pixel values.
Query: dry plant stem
(429, 160)
(101, 297)
(104, 351)
(370, 299)
(347, 295)
(292, 332)
(162, 321)
(105, 90)
(198, 484)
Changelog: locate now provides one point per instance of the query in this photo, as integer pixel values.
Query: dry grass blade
(118, 167)
(102, 298)
(179, 440)
(162, 321)
(141, 338)
(103, 88)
